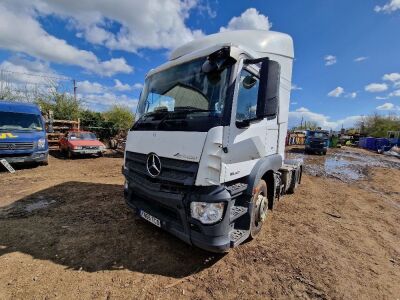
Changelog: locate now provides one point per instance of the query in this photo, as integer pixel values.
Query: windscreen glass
(318, 134)
(183, 98)
(87, 136)
(20, 121)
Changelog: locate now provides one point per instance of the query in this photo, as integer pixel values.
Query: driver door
(249, 139)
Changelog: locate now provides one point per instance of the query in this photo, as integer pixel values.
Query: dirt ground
(65, 232)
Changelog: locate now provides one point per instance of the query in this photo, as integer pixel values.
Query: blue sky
(347, 52)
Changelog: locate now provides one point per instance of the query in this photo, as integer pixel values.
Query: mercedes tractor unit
(205, 159)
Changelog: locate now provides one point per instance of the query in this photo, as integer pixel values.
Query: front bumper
(84, 151)
(316, 148)
(172, 209)
(39, 156)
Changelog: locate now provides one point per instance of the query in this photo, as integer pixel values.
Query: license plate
(150, 218)
(90, 151)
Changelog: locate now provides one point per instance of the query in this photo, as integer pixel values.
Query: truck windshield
(318, 134)
(20, 121)
(86, 136)
(183, 98)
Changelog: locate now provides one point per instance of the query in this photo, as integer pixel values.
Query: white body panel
(171, 144)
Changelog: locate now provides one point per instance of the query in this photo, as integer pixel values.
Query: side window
(247, 97)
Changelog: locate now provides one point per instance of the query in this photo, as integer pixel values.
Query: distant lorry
(317, 141)
(81, 142)
(205, 159)
(22, 133)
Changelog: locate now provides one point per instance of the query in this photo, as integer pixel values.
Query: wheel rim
(261, 209)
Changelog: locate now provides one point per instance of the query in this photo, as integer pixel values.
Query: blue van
(22, 133)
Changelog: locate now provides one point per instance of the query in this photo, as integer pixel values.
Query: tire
(45, 163)
(70, 155)
(294, 182)
(324, 153)
(259, 208)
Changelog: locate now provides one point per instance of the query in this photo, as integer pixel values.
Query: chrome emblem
(153, 165)
(11, 146)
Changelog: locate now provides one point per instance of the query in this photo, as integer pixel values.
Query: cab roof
(19, 107)
(253, 41)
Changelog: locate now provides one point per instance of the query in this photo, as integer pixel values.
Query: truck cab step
(236, 188)
(238, 236)
(237, 212)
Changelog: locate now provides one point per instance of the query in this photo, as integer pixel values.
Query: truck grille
(16, 146)
(176, 175)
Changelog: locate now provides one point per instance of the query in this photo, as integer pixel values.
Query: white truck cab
(205, 159)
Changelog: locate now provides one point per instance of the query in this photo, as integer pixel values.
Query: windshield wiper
(192, 109)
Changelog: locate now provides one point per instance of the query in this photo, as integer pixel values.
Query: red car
(81, 142)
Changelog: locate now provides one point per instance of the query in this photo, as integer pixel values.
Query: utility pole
(74, 81)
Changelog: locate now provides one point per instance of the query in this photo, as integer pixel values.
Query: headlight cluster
(78, 148)
(102, 148)
(207, 213)
(41, 143)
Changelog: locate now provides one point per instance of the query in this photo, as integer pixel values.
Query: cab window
(247, 97)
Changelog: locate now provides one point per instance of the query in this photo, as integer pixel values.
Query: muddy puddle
(345, 165)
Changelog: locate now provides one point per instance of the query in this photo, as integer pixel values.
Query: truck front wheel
(259, 211)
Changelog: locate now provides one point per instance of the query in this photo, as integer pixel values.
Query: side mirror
(268, 91)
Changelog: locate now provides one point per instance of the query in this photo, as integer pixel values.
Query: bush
(120, 116)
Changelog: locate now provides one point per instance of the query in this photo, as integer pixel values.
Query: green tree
(120, 116)
(64, 106)
(308, 125)
(378, 126)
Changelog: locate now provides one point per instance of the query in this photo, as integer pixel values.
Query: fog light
(207, 213)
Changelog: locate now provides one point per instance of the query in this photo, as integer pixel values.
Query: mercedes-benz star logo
(11, 146)
(153, 165)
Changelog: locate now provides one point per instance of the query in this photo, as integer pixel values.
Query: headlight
(78, 147)
(41, 144)
(102, 148)
(207, 213)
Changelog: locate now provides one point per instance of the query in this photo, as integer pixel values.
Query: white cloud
(387, 106)
(21, 32)
(389, 7)
(249, 19)
(137, 86)
(336, 92)
(141, 24)
(393, 77)
(27, 71)
(381, 98)
(295, 87)
(105, 100)
(330, 60)
(376, 87)
(360, 59)
(396, 85)
(352, 95)
(88, 87)
(322, 120)
(119, 86)
(395, 93)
